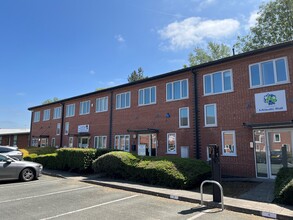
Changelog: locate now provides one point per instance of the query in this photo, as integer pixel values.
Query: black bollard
(216, 170)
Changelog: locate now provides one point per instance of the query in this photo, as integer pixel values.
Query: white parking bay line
(47, 194)
(90, 207)
(38, 182)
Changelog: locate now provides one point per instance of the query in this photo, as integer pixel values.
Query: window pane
(127, 99)
(153, 94)
(210, 115)
(254, 74)
(228, 143)
(176, 90)
(184, 89)
(171, 143)
(268, 73)
(281, 70)
(169, 91)
(207, 84)
(140, 97)
(217, 82)
(118, 101)
(147, 96)
(227, 81)
(127, 143)
(183, 117)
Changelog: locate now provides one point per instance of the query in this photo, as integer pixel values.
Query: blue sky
(65, 48)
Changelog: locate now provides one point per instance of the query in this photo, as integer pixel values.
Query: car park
(11, 169)
(11, 151)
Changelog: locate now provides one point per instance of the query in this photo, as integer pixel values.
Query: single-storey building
(15, 137)
(242, 103)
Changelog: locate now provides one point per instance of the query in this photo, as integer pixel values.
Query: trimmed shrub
(164, 171)
(116, 164)
(76, 159)
(284, 186)
(38, 150)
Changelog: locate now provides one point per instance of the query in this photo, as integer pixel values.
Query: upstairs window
(184, 117)
(102, 104)
(177, 90)
(268, 73)
(84, 108)
(37, 116)
(123, 100)
(70, 110)
(46, 115)
(219, 82)
(147, 96)
(57, 113)
(66, 132)
(210, 115)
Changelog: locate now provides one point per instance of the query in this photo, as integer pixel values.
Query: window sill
(171, 153)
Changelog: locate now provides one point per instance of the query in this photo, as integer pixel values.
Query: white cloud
(206, 3)
(252, 20)
(20, 94)
(119, 38)
(92, 72)
(195, 30)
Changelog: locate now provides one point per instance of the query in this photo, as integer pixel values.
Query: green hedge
(165, 171)
(284, 186)
(69, 159)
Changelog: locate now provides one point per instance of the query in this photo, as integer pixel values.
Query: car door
(7, 170)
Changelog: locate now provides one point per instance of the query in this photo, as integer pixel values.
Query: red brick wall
(238, 107)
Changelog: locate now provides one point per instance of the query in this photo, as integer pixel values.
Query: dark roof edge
(227, 59)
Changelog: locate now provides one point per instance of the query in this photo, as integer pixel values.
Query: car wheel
(27, 174)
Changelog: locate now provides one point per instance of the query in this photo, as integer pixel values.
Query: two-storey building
(242, 103)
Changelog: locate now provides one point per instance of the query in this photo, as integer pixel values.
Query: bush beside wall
(284, 186)
(177, 173)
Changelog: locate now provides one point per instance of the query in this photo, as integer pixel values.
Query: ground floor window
(35, 142)
(122, 142)
(171, 143)
(83, 142)
(100, 141)
(0, 140)
(70, 142)
(14, 140)
(44, 142)
(228, 143)
(53, 142)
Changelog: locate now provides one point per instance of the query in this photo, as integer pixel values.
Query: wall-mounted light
(134, 136)
(168, 115)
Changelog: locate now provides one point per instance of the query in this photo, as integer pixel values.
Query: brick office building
(242, 103)
(14, 137)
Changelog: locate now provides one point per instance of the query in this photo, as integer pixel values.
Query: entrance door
(150, 142)
(268, 151)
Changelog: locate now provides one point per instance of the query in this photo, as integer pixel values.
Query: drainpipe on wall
(62, 122)
(111, 120)
(196, 131)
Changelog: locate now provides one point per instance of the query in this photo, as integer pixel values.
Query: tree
(55, 99)
(135, 76)
(214, 51)
(274, 25)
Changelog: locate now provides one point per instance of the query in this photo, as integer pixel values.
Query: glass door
(260, 153)
(150, 142)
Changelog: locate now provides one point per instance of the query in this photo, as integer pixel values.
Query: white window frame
(275, 73)
(46, 116)
(103, 141)
(58, 128)
(70, 110)
(15, 140)
(57, 113)
(234, 143)
(205, 115)
(66, 129)
(168, 146)
(277, 140)
(181, 92)
(102, 104)
(119, 147)
(85, 107)
(53, 142)
(212, 82)
(70, 142)
(143, 91)
(37, 116)
(119, 101)
(180, 125)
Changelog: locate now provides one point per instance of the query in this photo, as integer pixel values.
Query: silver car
(11, 169)
(12, 152)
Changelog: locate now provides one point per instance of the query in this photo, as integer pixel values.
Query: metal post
(220, 187)
(284, 156)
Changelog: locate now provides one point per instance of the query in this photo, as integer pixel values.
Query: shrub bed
(284, 186)
(171, 172)
(69, 159)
